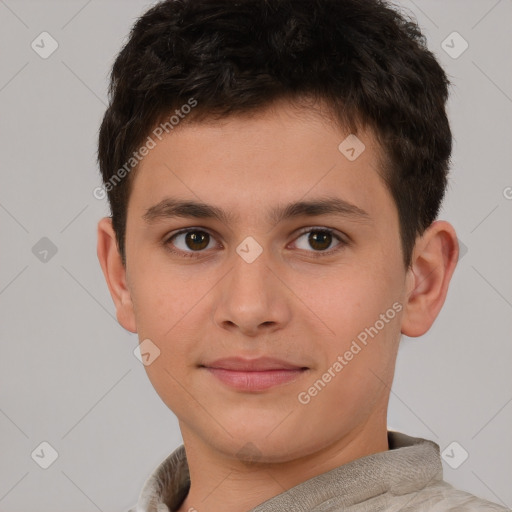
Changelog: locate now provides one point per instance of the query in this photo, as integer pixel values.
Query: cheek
(346, 300)
(364, 312)
(169, 309)
(161, 298)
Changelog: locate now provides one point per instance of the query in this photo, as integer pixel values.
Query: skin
(286, 304)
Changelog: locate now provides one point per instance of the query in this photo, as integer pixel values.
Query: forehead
(252, 163)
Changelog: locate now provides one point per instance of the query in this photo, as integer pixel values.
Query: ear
(115, 274)
(434, 259)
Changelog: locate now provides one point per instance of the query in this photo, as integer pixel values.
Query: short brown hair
(362, 58)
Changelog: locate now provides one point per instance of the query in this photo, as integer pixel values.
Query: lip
(252, 365)
(254, 374)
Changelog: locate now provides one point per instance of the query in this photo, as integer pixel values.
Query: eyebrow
(171, 207)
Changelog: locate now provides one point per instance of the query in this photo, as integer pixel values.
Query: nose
(251, 299)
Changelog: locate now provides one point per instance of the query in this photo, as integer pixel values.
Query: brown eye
(320, 240)
(190, 241)
(197, 240)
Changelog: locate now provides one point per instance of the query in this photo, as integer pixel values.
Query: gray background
(68, 375)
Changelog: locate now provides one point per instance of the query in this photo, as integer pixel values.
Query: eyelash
(315, 254)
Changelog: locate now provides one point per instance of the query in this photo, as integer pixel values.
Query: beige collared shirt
(407, 478)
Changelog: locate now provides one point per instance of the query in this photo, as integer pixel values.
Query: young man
(274, 170)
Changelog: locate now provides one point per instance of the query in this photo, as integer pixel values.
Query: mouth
(253, 375)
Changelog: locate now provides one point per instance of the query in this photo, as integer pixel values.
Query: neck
(221, 482)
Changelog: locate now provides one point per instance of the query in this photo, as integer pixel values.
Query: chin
(259, 444)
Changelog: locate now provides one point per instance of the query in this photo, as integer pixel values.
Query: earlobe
(433, 262)
(115, 274)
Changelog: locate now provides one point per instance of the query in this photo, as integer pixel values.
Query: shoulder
(442, 497)
(168, 483)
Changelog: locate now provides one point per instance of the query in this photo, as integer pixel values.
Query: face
(266, 267)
